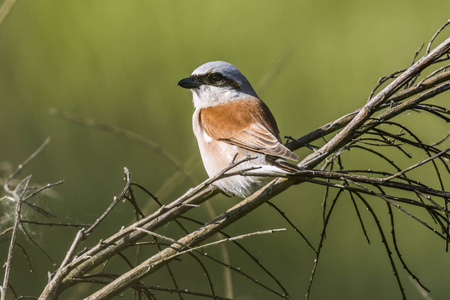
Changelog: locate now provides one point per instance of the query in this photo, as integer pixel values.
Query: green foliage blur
(118, 62)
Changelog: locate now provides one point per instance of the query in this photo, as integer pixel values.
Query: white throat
(207, 96)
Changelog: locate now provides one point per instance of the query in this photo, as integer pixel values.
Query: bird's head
(217, 82)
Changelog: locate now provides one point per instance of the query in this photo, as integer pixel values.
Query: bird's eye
(216, 77)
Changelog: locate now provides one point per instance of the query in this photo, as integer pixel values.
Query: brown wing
(246, 123)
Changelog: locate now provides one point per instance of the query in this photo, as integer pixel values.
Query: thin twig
(397, 250)
(247, 252)
(435, 35)
(112, 205)
(17, 194)
(70, 253)
(228, 239)
(417, 165)
(322, 239)
(24, 164)
(57, 224)
(12, 243)
(292, 225)
(386, 245)
(178, 246)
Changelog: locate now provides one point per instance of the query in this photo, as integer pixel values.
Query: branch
(20, 194)
(12, 243)
(155, 262)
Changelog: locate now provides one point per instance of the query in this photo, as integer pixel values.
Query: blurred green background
(118, 62)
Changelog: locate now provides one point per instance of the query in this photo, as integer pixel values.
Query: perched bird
(230, 123)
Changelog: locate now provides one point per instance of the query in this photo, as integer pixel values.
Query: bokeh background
(118, 62)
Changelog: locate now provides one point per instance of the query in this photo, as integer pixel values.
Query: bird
(231, 123)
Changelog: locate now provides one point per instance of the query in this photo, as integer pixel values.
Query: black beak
(188, 83)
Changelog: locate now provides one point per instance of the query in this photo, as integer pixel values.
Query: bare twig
(23, 165)
(60, 224)
(115, 201)
(248, 253)
(19, 194)
(417, 165)
(322, 239)
(191, 249)
(435, 35)
(292, 225)
(385, 243)
(164, 256)
(11, 248)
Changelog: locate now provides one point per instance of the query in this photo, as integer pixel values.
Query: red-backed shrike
(230, 123)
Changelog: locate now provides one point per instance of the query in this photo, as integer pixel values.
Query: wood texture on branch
(121, 240)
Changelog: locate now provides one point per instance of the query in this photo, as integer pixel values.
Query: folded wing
(245, 123)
